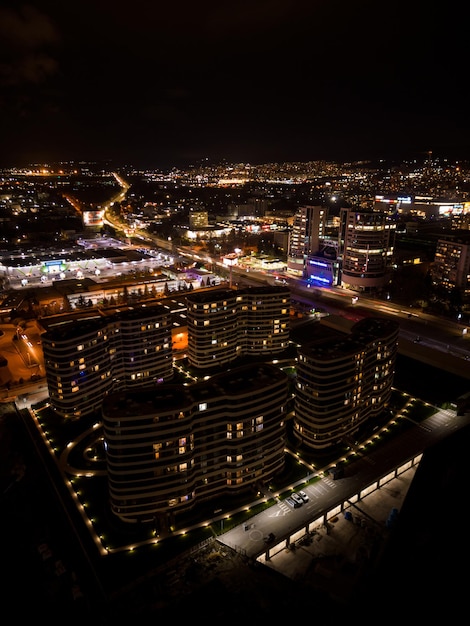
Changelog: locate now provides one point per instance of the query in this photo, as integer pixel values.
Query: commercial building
(308, 230)
(172, 447)
(366, 243)
(344, 381)
(450, 270)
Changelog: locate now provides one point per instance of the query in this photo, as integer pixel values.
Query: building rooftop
(169, 396)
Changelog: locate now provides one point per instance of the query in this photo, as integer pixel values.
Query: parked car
(303, 495)
(291, 502)
(297, 499)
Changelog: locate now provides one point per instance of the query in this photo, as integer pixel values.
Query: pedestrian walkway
(333, 555)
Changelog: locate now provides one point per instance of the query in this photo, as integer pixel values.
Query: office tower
(224, 324)
(450, 270)
(308, 229)
(366, 243)
(88, 355)
(344, 382)
(172, 447)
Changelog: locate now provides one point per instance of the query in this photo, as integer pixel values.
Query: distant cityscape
(94, 256)
(419, 212)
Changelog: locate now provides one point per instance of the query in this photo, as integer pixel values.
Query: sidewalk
(335, 556)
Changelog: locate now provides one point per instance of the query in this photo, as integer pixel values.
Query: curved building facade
(212, 328)
(86, 356)
(172, 447)
(264, 320)
(366, 244)
(224, 324)
(343, 382)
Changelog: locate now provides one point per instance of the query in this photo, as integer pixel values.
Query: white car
(303, 495)
(297, 498)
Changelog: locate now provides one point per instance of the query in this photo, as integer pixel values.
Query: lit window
(156, 449)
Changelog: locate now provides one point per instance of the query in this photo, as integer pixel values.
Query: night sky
(163, 84)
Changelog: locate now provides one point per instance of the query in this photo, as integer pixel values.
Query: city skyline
(158, 86)
(18, 493)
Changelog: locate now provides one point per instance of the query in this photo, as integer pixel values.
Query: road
(438, 333)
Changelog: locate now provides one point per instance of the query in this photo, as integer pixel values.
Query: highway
(443, 335)
(420, 332)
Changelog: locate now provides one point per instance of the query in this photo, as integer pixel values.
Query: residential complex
(90, 354)
(450, 271)
(224, 324)
(172, 447)
(343, 382)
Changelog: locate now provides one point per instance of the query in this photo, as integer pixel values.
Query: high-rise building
(172, 447)
(450, 270)
(264, 320)
(308, 229)
(88, 355)
(343, 382)
(212, 327)
(224, 324)
(366, 243)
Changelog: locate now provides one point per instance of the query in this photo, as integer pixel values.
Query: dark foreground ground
(421, 572)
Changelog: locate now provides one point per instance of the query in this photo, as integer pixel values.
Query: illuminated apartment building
(308, 229)
(263, 320)
(224, 324)
(344, 381)
(212, 328)
(88, 355)
(450, 270)
(172, 447)
(366, 243)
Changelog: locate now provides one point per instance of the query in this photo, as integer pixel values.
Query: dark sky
(169, 83)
